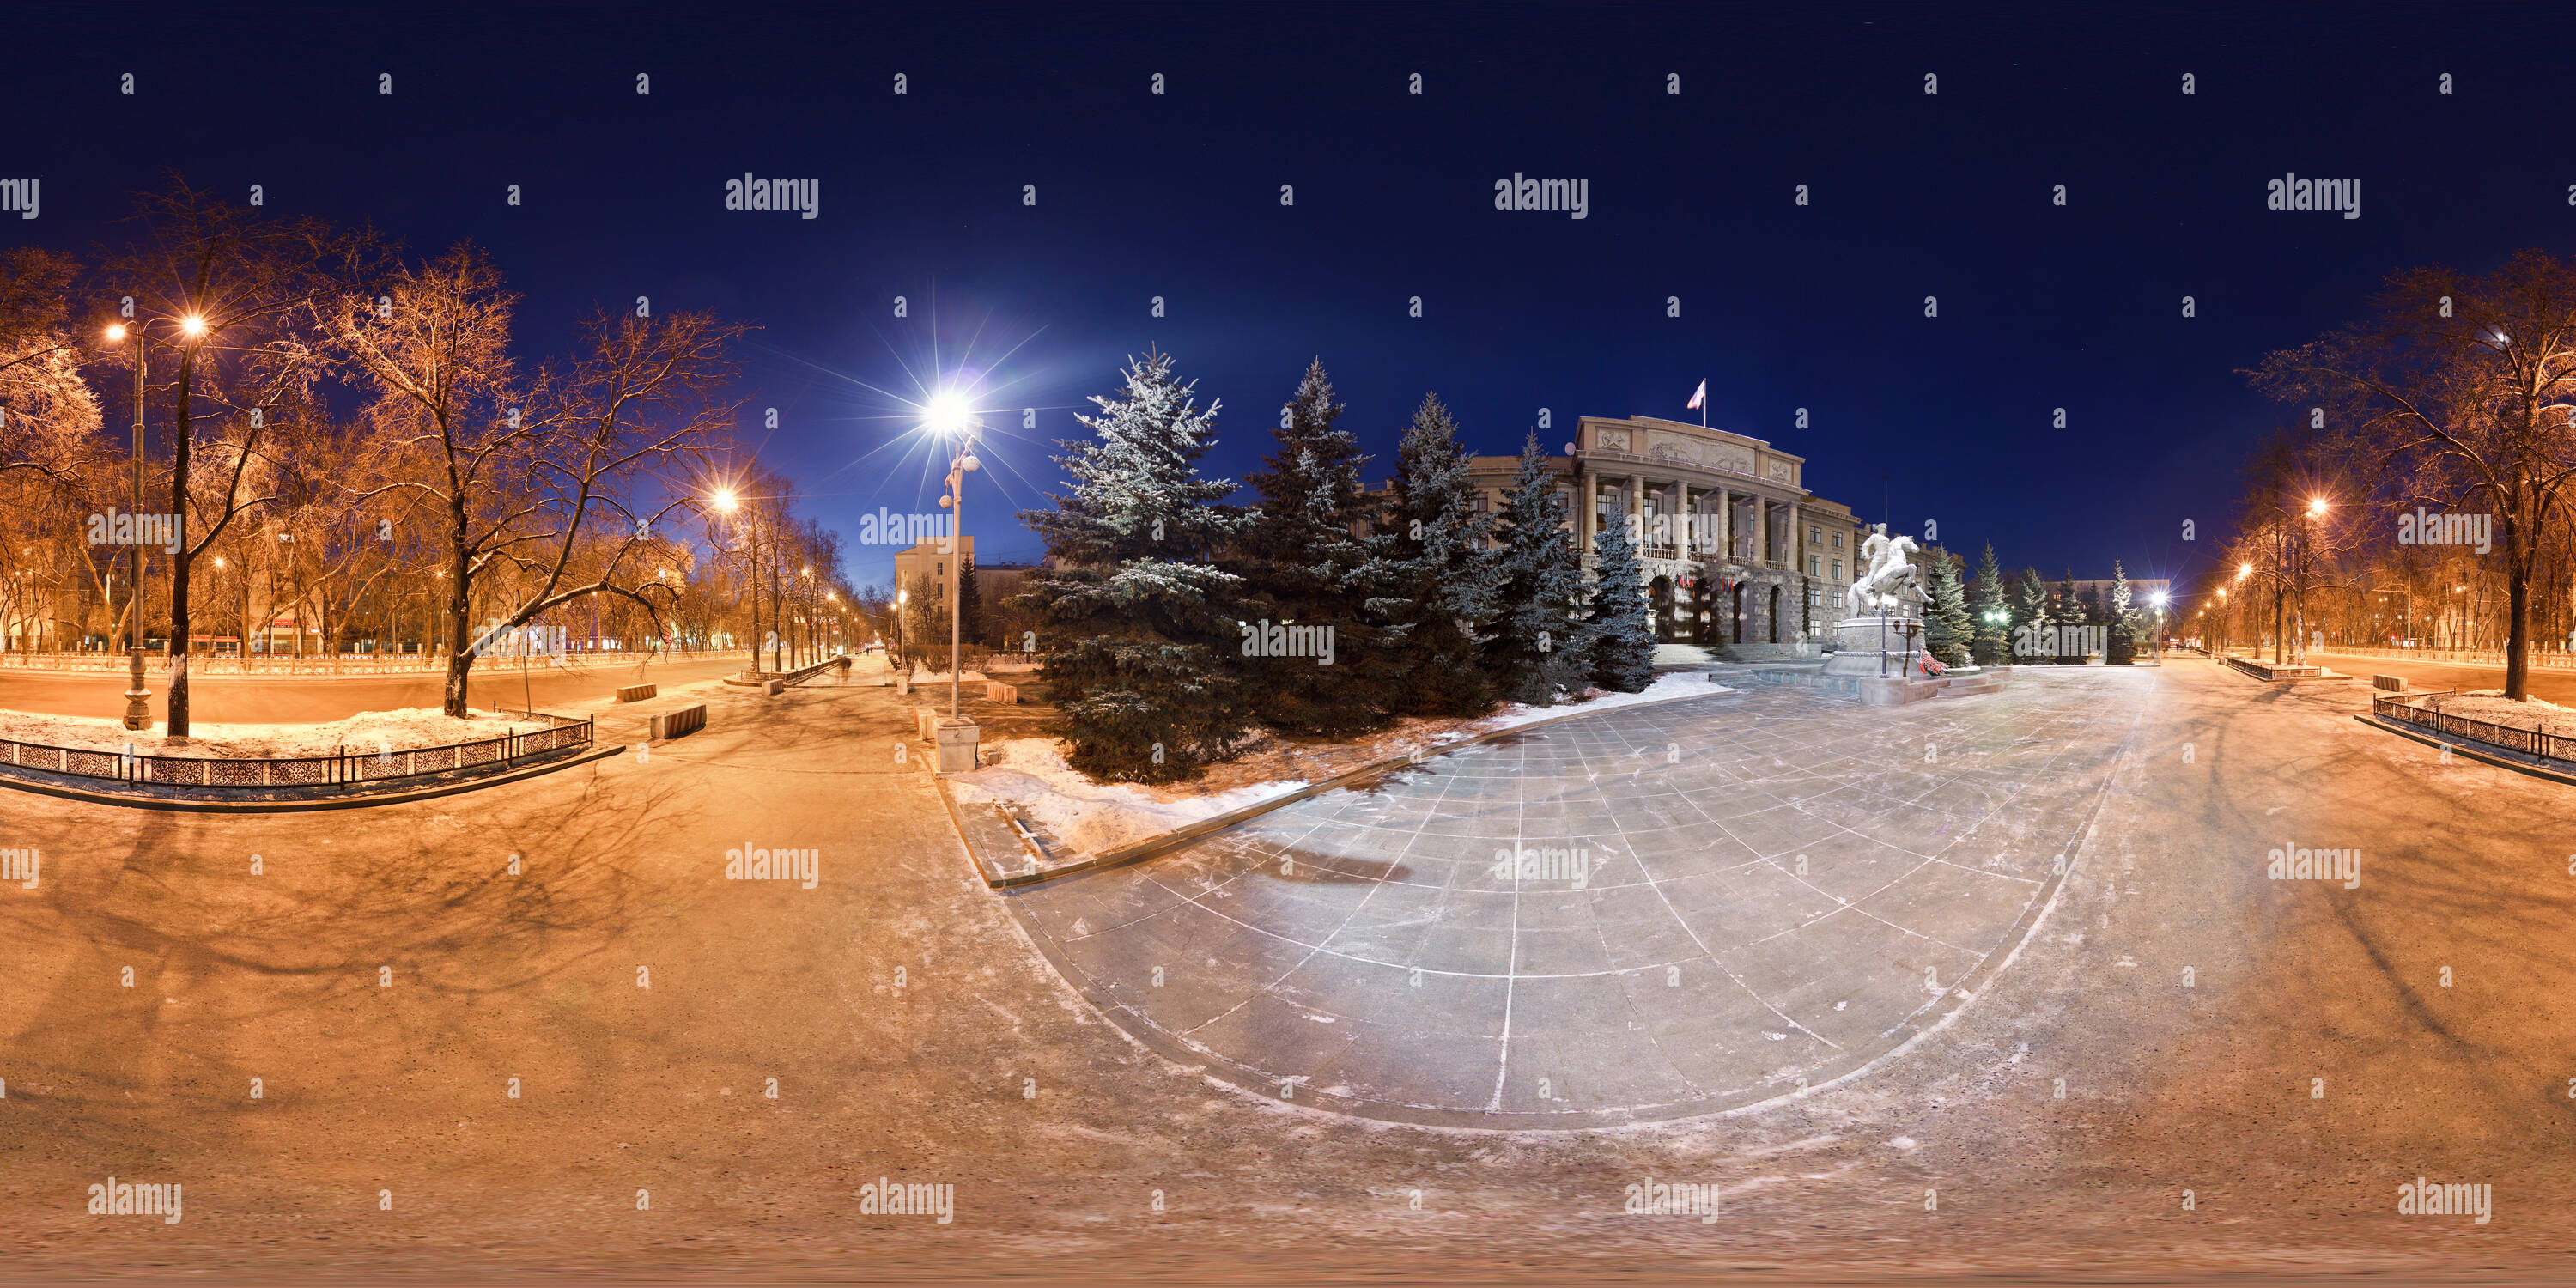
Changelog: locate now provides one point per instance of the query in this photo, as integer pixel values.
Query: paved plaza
(1654, 912)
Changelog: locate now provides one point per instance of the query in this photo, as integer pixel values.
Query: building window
(1815, 535)
(1838, 544)
(1838, 570)
(1815, 565)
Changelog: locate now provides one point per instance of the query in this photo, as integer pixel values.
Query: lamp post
(948, 416)
(2159, 599)
(726, 501)
(138, 709)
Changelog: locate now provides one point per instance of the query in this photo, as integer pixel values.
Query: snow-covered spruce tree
(1536, 650)
(1991, 643)
(1619, 641)
(2122, 649)
(2066, 609)
(1305, 564)
(1945, 610)
(1139, 642)
(2031, 619)
(1442, 582)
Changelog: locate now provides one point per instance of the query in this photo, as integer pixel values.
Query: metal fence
(2530, 742)
(340, 767)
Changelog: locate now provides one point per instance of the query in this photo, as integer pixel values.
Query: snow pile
(1086, 815)
(1090, 816)
(2492, 706)
(373, 731)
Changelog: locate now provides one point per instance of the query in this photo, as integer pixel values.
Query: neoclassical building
(1739, 556)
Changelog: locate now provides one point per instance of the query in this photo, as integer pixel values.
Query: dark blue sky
(1177, 196)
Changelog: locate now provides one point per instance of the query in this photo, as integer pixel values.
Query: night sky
(1177, 196)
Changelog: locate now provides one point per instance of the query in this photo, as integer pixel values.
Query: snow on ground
(1092, 816)
(2492, 706)
(401, 730)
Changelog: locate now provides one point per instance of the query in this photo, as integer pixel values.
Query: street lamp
(138, 708)
(727, 501)
(948, 416)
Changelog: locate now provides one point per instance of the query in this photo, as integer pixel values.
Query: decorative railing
(2530, 742)
(341, 767)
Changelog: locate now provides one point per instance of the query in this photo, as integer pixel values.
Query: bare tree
(2467, 385)
(561, 485)
(241, 289)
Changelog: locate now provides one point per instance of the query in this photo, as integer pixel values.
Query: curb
(2491, 758)
(307, 806)
(1153, 846)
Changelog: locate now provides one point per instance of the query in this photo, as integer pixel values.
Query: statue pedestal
(1875, 645)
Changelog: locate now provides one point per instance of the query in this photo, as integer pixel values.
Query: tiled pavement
(1767, 889)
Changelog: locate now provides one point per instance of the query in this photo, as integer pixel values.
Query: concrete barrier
(2389, 683)
(925, 722)
(637, 692)
(673, 724)
(774, 687)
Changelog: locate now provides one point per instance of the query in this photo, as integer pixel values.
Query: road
(2554, 686)
(2287, 1052)
(228, 699)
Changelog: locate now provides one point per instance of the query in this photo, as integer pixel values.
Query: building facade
(935, 561)
(1739, 556)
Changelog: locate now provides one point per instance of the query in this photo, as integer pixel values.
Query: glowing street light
(138, 705)
(950, 416)
(727, 501)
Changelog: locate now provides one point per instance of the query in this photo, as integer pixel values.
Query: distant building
(936, 560)
(1739, 556)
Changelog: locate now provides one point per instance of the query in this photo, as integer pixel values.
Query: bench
(774, 687)
(925, 722)
(1006, 694)
(637, 692)
(686, 720)
(2389, 683)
